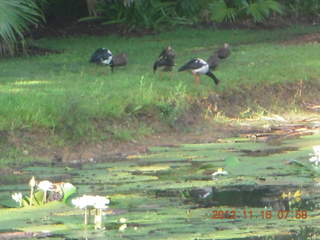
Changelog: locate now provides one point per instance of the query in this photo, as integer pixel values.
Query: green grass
(60, 93)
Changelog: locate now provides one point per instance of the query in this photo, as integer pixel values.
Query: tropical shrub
(192, 11)
(301, 7)
(231, 10)
(153, 14)
(16, 17)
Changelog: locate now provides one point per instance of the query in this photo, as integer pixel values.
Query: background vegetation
(18, 16)
(159, 14)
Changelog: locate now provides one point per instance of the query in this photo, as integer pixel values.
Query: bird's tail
(184, 67)
(155, 66)
(215, 79)
(111, 65)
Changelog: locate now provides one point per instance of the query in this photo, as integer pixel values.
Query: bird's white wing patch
(107, 61)
(203, 69)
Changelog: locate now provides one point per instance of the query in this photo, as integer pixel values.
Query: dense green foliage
(231, 10)
(16, 16)
(159, 14)
(154, 14)
(301, 7)
(260, 10)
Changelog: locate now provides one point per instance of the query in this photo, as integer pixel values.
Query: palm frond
(220, 11)
(15, 17)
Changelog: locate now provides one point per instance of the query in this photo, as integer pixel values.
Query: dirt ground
(201, 132)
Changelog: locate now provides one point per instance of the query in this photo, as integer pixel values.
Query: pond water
(232, 189)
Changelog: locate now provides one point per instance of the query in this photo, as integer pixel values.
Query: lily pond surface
(237, 188)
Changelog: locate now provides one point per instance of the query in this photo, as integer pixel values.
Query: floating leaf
(298, 163)
(232, 161)
(68, 190)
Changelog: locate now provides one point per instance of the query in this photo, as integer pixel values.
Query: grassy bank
(59, 94)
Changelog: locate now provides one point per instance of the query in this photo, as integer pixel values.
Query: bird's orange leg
(196, 78)
(96, 69)
(161, 75)
(105, 70)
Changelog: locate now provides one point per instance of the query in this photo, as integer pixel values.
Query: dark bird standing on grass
(198, 67)
(213, 61)
(224, 51)
(102, 56)
(120, 60)
(168, 52)
(165, 61)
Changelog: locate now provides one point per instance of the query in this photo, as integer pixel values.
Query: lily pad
(232, 161)
(170, 193)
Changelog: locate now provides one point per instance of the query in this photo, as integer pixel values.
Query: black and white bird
(102, 56)
(165, 61)
(120, 60)
(223, 52)
(198, 67)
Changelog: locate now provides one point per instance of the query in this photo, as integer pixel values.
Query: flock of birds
(165, 62)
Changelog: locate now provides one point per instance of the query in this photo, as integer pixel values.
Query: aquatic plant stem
(98, 219)
(87, 216)
(32, 183)
(45, 196)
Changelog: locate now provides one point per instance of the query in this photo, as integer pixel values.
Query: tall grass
(61, 93)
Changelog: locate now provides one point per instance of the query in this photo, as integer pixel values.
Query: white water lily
(123, 227)
(219, 173)
(97, 202)
(122, 220)
(101, 202)
(223, 173)
(88, 201)
(316, 158)
(45, 185)
(18, 198)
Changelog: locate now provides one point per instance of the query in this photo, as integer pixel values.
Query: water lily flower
(316, 157)
(45, 186)
(86, 202)
(122, 220)
(123, 227)
(101, 202)
(97, 202)
(218, 173)
(18, 198)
